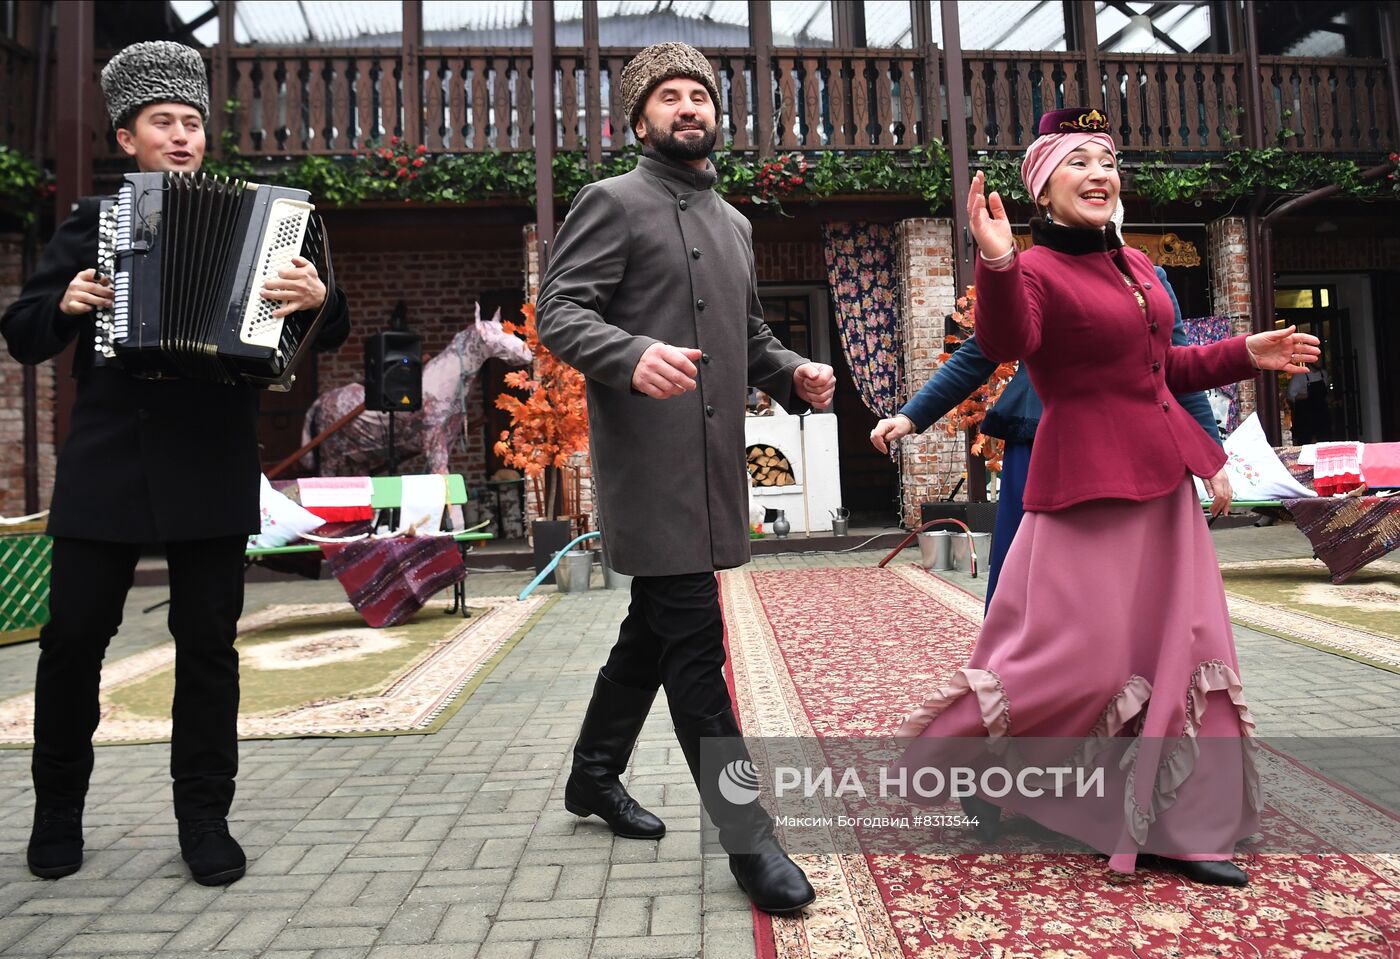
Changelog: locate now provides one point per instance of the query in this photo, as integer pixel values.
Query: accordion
(188, 257)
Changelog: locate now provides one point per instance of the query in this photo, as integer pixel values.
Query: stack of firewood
(769, 467)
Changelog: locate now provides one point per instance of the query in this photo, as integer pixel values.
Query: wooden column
(1089, 36)
(1261, 266)
(74, 122)
(542, 78)
(412, 71)
(593, 86)
(219, 85)
(761, 34)
(964, 249)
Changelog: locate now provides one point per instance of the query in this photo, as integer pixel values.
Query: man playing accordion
(171, 461)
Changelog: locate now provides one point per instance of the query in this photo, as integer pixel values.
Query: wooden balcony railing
(294, 102)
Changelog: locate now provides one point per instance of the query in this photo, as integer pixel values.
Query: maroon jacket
(1111, 429)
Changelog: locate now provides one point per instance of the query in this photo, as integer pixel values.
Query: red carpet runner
(848, 652)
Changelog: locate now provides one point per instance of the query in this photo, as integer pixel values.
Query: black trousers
(89, 584)
(673, 636)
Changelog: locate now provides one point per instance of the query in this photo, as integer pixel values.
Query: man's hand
(86, 293)
(890, 429)
(665, 371)
(815, 383)
(299, 288)
(1218, 487)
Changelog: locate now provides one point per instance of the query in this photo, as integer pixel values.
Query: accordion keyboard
(282, 239)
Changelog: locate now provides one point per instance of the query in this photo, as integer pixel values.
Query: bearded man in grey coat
(651, 293)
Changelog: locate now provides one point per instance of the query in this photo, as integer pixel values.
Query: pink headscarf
(1047, 152)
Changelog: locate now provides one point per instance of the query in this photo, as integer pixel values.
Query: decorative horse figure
(447, 382)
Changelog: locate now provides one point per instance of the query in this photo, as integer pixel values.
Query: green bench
(387, 494)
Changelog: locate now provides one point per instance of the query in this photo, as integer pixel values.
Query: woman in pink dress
(1109, 629)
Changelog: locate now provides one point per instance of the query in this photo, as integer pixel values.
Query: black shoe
(610, 729)
(988, 817)
(773, 882)
(215, 857)
(763, 870)
(56, 843)
(1208, 872)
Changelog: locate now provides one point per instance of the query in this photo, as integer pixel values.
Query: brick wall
(931, 463)
(439, 287)
(12, 400)
(789, 262)
(1230, 290)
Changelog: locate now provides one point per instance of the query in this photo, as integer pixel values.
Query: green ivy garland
(1242, 173)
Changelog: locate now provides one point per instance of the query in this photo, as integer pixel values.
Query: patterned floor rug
(848, 652)
(316, 670)
(1295, 599)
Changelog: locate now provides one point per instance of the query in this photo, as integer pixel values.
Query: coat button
(695, 252)
(1166, 407)
(700, 305)
(1156, 366)
(709, 410)
(1152, 327)
(683, 204)
(1147, 286)
(704, 358)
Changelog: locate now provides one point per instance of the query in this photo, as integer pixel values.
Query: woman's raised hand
(987, 217)
(1286, 350)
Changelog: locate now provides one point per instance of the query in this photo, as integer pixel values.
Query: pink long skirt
(1109, 631)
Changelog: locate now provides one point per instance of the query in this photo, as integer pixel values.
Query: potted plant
(549, 424)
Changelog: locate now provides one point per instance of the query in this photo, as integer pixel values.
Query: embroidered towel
(424, 497)
(1338, 468)
(337, 498)
(1380, 465)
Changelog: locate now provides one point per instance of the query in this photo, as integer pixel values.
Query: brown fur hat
(662, 61)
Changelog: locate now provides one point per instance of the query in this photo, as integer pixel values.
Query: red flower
(798, 181)
(403, 173)
(418, 162)
(422, 148)
(393, 141)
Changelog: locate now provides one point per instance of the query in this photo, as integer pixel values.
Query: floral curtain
(860, 264)
(1204, 330)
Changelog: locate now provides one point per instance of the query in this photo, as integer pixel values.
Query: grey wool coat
(657, 256)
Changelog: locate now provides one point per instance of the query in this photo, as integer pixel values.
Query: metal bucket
(840, 527)
(982, 542)
(575, 571)
(936, 549)
(612, 579)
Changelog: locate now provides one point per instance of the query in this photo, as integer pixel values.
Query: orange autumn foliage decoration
(969, 414)
(549, 425)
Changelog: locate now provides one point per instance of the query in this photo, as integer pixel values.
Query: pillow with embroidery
(283, 522)
(1255, 471)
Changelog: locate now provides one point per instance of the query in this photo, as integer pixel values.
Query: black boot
(1208, 872)
(610, 729)
(56, 843)
(988, 817)
(763, 870)
(215, 858)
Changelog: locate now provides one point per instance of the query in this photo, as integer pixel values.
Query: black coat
(146, 461)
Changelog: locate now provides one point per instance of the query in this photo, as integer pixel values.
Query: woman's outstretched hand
(987, 218)
(1285, 350)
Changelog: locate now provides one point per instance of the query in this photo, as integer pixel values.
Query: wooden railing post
(761, 30)
(412, 71)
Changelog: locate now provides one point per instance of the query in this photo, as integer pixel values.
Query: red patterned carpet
(848, 652)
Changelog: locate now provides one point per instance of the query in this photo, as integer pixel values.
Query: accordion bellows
(188, 257)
